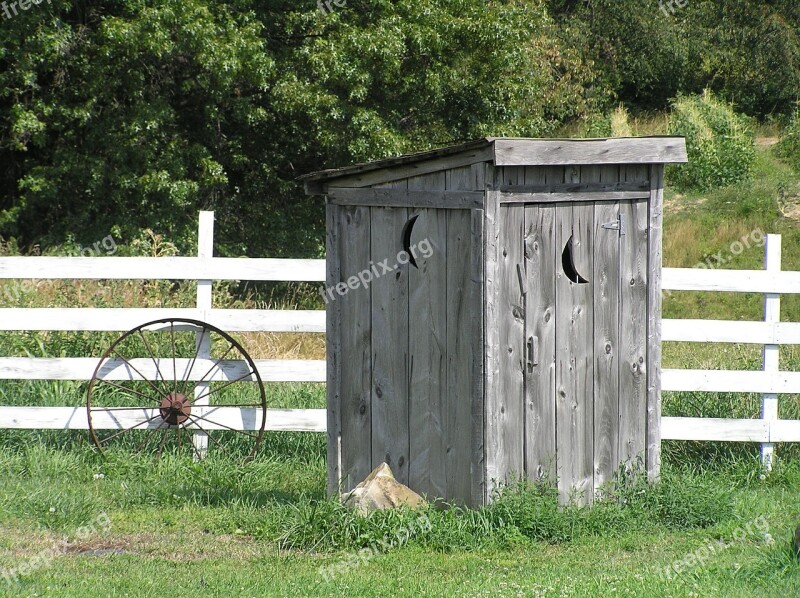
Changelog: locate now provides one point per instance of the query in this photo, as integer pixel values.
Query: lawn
(73, 523)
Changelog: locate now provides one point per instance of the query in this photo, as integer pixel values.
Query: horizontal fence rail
(238, 418)
(122, 319)
(771, 333)
(163, 268)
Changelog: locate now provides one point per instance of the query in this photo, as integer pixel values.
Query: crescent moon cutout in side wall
(568, 263)
(408, 227)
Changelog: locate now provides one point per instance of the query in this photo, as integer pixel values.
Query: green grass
(267, 529)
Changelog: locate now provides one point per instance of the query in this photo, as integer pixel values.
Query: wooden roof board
(512, 151)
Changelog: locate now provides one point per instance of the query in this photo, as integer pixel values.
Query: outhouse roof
(513, 151)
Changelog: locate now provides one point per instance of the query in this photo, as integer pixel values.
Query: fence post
(205, 248)
(772, 314)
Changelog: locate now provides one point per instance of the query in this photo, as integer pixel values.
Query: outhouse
(493, 312)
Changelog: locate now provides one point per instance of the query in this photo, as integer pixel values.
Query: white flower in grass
(52, 509)
(99, 476)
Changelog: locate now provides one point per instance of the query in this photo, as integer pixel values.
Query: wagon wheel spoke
(212, 422)
(135, 369)
(127, 389)
(133, 427)
(210, 437)
(216, 364)
(169, 408)
(187, 380)
(216, 390)
(150, 434)
(153, 357)
(174, 364)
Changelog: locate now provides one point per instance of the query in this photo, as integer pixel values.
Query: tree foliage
(137, 114)
(134, 114)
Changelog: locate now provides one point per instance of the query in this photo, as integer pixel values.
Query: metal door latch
(533, 352)
(619, 225)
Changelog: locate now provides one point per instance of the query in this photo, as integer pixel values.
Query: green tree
(136, 114)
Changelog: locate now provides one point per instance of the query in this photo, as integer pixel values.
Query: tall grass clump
(612, 124)
(789, 145)
(520, 513)
(719, 141)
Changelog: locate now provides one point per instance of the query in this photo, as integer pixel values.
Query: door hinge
(618, 224)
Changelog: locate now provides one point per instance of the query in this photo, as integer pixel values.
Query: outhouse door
(576, 328)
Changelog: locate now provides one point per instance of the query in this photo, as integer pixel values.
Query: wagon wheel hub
(175, 408)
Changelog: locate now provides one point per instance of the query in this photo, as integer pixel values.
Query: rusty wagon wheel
(180, 386)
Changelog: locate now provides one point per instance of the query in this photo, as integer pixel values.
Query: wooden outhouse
(493, 312)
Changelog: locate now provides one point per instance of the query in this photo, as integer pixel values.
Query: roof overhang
(510, 151)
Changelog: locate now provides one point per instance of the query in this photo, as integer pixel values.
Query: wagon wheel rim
(187, 395)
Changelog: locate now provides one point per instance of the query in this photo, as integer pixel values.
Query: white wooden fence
(204, 269)
(770, 332)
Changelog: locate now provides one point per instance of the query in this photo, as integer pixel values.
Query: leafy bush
(789, 146)
(720, 143)
(613, 124)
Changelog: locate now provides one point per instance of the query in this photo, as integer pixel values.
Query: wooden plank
(574, 361)
(334, 224)
(641, 150)
(427, 347)
(162, 268)
(731, 331)
(491, 348)
(709, 428)
(355, 346)
(739, 281)
(472, 356)
(75, 418)
(82, 368)
(417, 198)
(633, 350)
(508, 409)
(390, 373)
(771, 357)
(463, 349)
(443, 158)
(205, 249)
(541, 256)
(588, 196)
(123, 319)
(590, 188)
(782, 430)
(654, 290)
(374, 174)
(606, 336)
(731, 381)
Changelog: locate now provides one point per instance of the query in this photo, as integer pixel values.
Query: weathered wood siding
(418, 332)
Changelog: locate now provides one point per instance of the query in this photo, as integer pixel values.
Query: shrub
(613, 124)
(720, 143)
(789, 145)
